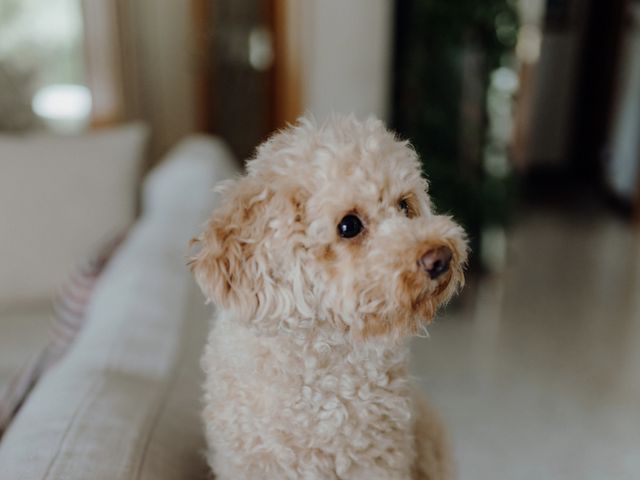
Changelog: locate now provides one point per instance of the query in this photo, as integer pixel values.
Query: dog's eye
(405, 207)
(349, 226)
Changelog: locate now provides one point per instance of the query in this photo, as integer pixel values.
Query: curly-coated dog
(322, 261)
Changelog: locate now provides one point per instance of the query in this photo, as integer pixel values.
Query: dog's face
(331, 228)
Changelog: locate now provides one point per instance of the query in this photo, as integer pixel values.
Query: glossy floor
(536, 371)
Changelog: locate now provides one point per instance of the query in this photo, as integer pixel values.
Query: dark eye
(349, 226)
(404, 206)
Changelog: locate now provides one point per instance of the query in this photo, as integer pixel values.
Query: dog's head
(331, 228)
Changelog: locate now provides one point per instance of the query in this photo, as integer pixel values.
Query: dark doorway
(236, 51)
(595, 92)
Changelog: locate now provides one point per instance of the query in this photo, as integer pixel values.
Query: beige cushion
(174, 186)
(105, 421)
(60, 197)
(125, 401)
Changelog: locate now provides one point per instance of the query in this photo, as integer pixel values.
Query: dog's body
(325, 259)
(281, 408)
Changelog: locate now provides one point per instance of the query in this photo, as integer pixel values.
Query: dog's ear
(241, 253)
(225, 266)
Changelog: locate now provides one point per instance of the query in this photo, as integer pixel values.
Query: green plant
(446, 49)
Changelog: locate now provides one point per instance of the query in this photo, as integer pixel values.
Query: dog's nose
(436, 261)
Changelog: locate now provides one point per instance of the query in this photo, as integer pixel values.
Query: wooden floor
(536, 371)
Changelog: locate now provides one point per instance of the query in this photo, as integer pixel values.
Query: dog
(324, 258)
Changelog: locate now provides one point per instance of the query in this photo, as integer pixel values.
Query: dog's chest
(341, 406)
(364, 401)
(323, 396)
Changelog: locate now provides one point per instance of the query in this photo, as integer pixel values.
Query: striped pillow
(69, 308)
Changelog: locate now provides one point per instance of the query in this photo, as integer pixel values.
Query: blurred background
(526, 114)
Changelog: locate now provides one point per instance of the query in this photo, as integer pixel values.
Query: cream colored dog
(324, 259)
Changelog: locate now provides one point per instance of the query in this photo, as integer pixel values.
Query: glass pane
(42, 65)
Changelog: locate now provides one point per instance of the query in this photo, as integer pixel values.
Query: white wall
(347, 56)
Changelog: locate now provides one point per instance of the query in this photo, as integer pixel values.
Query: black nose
(436, 262)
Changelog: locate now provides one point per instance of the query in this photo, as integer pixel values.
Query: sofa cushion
(68, 316)
(170, 187)
(61, 196)
(124, 402)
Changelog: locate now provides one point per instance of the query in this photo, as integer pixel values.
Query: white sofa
(124, 401)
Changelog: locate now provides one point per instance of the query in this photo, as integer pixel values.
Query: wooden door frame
(287, 71)
(103, 61)
(202, 12)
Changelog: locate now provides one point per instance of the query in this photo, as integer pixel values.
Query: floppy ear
(252, 254)
(226, 267)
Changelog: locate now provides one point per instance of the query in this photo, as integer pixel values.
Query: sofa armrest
(124, 403)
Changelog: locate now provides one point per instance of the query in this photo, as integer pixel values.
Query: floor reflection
(537, 371)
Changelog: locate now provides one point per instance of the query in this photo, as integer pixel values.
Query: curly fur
(306, 363)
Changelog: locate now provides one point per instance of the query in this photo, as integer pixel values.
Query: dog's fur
(306, 363)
